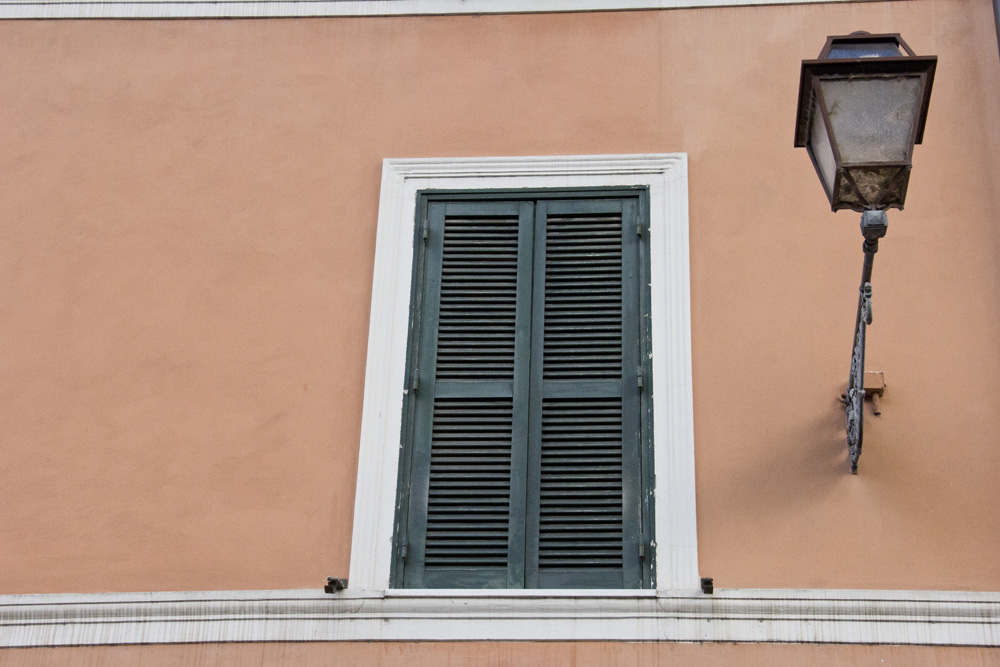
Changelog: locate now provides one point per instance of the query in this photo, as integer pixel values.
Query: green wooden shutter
(584, 514)
(466, 500)
(524, 455)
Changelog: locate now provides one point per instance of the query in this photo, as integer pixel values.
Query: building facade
(523, 318)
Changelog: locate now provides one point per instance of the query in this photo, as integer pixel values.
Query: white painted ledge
(801, 616)
(166, 9)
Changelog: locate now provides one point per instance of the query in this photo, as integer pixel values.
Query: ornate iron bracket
(874, 225)
(855, 400)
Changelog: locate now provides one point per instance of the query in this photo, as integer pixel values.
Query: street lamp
(862, 107)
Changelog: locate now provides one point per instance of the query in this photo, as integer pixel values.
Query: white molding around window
(168, 9)
(673, 422)
(841, 617)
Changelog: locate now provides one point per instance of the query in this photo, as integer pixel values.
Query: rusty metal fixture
(874, 225)
(862, 106)
(855, 385)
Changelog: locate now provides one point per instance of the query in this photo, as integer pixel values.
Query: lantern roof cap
(863, 44)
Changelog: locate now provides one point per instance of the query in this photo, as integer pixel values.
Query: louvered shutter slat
(583, 277)
(479, 291)
(469, 486)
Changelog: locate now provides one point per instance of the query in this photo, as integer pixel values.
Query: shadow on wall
(797, 467)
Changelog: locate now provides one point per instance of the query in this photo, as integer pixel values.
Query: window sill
(520, 594)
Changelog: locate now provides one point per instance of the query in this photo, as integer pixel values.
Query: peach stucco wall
(187, 224)
(493, 655)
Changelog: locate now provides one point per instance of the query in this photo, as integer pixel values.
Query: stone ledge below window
(735, 615)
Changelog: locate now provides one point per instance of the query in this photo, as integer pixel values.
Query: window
(526, 430)
(531, 190)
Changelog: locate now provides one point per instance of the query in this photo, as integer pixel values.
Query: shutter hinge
(642, 550)
(403, 552)
(639, 379)
(427, 230)
(638, 227)
(416, 383)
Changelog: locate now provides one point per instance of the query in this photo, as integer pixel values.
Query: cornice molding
(746, 615)
(172, 9)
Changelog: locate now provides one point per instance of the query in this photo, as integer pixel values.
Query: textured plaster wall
(521, 654)
(187, 224)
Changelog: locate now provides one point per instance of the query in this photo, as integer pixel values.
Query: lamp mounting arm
(854, 400)
(874, 225)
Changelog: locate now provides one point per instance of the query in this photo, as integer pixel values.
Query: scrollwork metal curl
(855, 399)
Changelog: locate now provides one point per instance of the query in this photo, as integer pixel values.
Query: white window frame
(665, 175)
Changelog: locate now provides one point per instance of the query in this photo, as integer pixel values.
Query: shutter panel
(467, 484)
(584, 530)
(524, 441)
